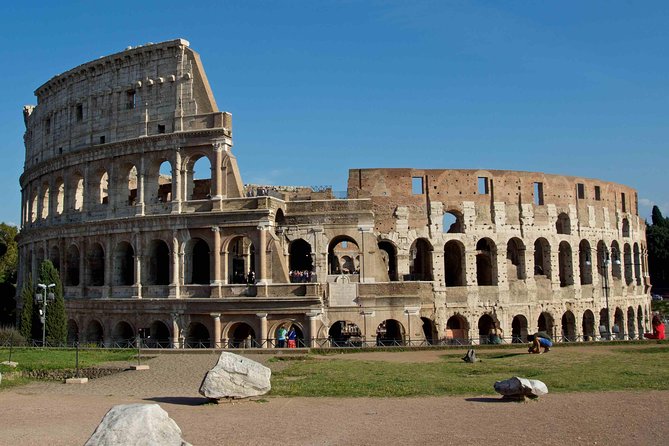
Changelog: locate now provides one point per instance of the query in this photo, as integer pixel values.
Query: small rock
(137, 424)
(234, 376)
(470, 356)
(519, 388)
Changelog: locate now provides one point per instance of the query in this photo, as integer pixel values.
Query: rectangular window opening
(48, 125)
(580, 191)
(483, 186)
(539, 194)
(80, 112)
(161, 128)
(622, 201)
(417, 185)
(102, 140)
(598, 193)
(131, 99)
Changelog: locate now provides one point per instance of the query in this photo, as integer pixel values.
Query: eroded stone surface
(235, 376)
(521, 387)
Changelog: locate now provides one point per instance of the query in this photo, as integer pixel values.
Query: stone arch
(589, 332)
(238, 336)
(72, 269)
(340, 246)
(390, 332)
(585, 262)
(198, 171)
(568, 327)
(453, 222)
(604, 326)
(639, 319)
(429, 330)
(124, 264)
(631, 329)
(629, 269)
(486, 329)
(563, 224)
(515, 259)
(158, 264)
(565, 262)
(59, 191)
(45, 201)
(279, 218)
(34, 202)
(457, 329)
(54, 256)
(616, 269)
(241, 258)
(519, 329)
(77, 182)
(94, 333)
(103, 187)
(486, 262)
(626, 227)
(198, 336)
(546, 323)
(344, 333)
(127, 184)
(618, 328)
(454, 264)
(72, 332)
(96, 265)
(162, 181)
(159, 335)
(420, 260)
(198, 262)
(299, 256)
(388, 252)
(637, 264)
(542, 258)
(123, 335)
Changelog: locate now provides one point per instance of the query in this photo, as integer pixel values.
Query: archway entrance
(519, 329)
(390, 332)
(487, 332)
(94, 333)
(568, 327)
(589, 333)
(241, 335)
(456, 330)
(546, 323)
(429, 330)
(158, 336)
(197, 336)
(345, 334)
(123, 335)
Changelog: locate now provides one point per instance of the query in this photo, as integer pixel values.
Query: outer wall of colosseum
(131, 189)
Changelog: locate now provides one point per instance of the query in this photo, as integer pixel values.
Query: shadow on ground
(180, 400)
(490, 400)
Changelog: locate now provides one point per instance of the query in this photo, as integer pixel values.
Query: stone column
(106, 290)
(261, 274)
(175, 282)
(263, 330)
(217, 255)
(217, 329)
(313, 328)
(140, 206)
(177, 180)
(175, 331)
(82, 267)
(217, 175)
(225, 273)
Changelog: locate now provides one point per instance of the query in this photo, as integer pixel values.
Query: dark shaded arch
(457, 329)
(454, 263)
(546, 323)
(429, 330)
(94, 333)
(565, 263)
(339, 247)
(389, 256)
(200, 263)
(72, 332)
(589, 332)
(585, 262)
(198, 336)
(159, 335)
(390, 332)
(542, 258)
(420, 260)
(515, 259)
(123, 335)
(563, 224)
(629, 268)
(519, 329)
(241, 259)
(124, 264)
(486, 262)
(72, 271)
(300, 259)
(241, 335)
(345, 334)
(453, 222)
(486, 329)
(631, 329)
(618, 328)
(626, 228)
(96, 265)
(568, 327)
(158, 263)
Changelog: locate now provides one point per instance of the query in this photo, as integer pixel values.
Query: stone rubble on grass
(519, 388)
(137, 424)
(234, 376)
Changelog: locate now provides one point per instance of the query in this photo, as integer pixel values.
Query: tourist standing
(281, 337)
(292, 338)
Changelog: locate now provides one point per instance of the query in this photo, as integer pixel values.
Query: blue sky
(318, 87)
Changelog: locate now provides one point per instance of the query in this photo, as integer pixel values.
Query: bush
(11, 336)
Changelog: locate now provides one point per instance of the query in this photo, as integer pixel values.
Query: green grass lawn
(565, 369)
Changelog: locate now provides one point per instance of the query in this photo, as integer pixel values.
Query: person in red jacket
(658, 329)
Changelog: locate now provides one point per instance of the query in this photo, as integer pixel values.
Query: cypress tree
(26, 321)
(56, 319)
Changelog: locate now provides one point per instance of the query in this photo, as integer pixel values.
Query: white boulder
(137, 424)
(234, 376)
(517, 387)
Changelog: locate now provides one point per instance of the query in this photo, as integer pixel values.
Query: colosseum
(131, 188)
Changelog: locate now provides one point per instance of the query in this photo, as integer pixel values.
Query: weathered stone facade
(146, 245)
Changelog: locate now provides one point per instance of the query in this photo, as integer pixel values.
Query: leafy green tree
(56, 319)
(8, 258)
(657, 236)
(28, 310)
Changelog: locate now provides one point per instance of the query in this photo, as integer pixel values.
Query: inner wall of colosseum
(132, 190)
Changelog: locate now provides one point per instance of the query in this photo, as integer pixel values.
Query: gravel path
(56, 414)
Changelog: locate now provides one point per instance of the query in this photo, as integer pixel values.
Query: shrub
(11, 336)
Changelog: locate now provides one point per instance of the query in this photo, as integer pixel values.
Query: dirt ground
(58, 414)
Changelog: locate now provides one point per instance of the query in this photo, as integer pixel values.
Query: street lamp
(604, 329)
(43, 297)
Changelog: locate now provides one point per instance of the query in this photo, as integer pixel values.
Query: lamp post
(44, 297)
(606, 264)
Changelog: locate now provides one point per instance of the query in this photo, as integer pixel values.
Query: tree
(56, 319)
(8, 258)
(657, 235)
(27, 312)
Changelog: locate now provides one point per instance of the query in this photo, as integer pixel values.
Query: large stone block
(521, 387)
(234, 376)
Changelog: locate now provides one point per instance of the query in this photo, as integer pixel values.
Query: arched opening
(639, 319)
(631, 330)
(241, 259)
(78, 182)
(200, 269)
(452, 222)
(542, 258)
(519, 329)
(197, 336)
(546, 323)
(279, 218)
(45, 201)
(429, 330)
(59, 189)
(618, 324)
(637, 264)
(54, 256)
(72, 270)
(103, 188)
(94, 333)
(565, 265)
(568, 327)
(345, 334)
(626, 227)
(486, 262)
(159, 263)
(627, 256)
(198, 178)
(604, 323)
(487, 332)
(340, 247)
(456, 330)
(33, 207)
(515, 259)
(589, 333)
(389, 256)
(390, 332)
(96, 265)
(300, 261)
(299, 341)
(123, 335)
(158, 336)
(420, 258)
(454, 263)
(126, 189)
(601, 259)
(585, 262)
(164, 186)
(241, 335)
(563, 224)
(616, 263)
(72, 332)
(124, 271)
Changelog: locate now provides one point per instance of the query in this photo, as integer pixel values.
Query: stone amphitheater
(130, 187)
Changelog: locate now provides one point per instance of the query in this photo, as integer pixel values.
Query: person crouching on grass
(538, 343)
